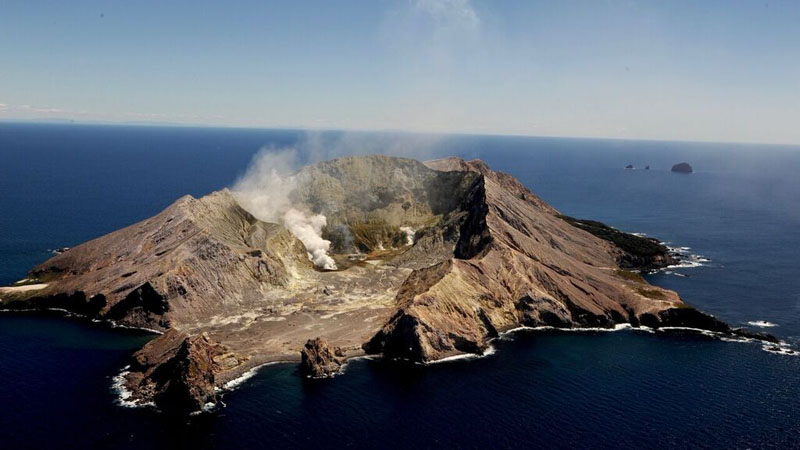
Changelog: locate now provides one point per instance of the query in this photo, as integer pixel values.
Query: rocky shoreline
(635, 252)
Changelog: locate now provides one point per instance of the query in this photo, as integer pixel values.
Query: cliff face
(517, 263)
(434, 260)
(178, 371)
(395, 191)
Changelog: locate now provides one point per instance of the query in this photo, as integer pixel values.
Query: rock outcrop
(319, 360)
(434, 260)
(178, 372)
(683, 167)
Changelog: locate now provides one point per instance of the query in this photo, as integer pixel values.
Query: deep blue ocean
(62, 184)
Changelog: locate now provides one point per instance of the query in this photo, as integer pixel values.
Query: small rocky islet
(229, 292)
(683, 167)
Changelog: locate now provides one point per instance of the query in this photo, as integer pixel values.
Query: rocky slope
(434, 260)
(194, 259)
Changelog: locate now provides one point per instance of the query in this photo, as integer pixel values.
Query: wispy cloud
(29, 110)
(25, 111)
(432, 45)
(459, 13)
(41, 110)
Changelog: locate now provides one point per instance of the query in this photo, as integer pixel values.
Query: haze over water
(740, 211)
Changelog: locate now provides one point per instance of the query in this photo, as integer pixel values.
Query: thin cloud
(36, 109)
(430, 45)
(29, 109)
(27, 112)
(449, 12)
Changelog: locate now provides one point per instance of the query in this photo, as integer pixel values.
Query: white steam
(265, 191)
(409, 234)
(309, 230)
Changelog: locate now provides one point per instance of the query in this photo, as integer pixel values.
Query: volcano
(433, 260)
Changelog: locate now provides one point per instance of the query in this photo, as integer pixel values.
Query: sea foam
(123, 394)
(466, 356)
(762, 324)
(781, 348)
(238, 381)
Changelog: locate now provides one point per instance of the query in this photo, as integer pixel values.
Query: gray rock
(683, 167)
(318, 360)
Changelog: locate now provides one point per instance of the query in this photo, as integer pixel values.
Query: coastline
(228, 381)
(62, 312)
(780, 348)
(233, 379)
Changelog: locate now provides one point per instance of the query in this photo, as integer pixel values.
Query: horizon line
(165, 124)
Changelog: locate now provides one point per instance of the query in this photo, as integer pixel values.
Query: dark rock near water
(178, 372)
(636, 252)
(74, 303)
(688, 317)
(684, 317)
(319, 360)
(683, 167)
(760, 336)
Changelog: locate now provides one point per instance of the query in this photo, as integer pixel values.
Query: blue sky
(682, 70)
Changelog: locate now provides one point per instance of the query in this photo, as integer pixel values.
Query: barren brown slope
(519, 264)
(196, 259)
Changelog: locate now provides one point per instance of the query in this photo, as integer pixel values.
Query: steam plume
(409, 232)
(309, 230)
(265, 191)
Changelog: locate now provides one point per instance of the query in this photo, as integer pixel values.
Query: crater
(378, 207)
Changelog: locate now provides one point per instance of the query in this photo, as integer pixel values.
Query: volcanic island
(423, 261)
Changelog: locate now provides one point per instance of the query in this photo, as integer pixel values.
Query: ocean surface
(737, 217)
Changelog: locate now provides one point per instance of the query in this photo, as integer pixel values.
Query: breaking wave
(238, 381)
(780, 348)
(762, 324)
(686, 259)
(465, 356)
(124, 396)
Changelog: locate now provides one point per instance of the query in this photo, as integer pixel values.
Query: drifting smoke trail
(265, 192)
